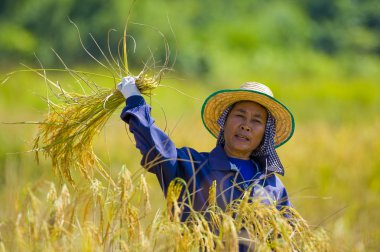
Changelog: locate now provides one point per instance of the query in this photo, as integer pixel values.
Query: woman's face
(244, 129)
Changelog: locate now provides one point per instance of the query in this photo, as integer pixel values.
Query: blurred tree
(211, 37)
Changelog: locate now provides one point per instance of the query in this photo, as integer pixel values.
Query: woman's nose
(245, 127)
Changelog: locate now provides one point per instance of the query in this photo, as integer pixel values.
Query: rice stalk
(212, 194)
(2, 247)
(172, 196)
(144, 200)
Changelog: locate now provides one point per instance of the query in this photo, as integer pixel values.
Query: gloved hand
(127, 87)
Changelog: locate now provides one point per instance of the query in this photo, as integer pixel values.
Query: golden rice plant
(114, 217)
(67, 133)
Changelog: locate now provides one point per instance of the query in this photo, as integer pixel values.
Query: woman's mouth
(242, 137)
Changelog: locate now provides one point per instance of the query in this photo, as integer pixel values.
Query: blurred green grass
(332, 163)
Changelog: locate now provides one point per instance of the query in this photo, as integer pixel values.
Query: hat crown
(257, 87)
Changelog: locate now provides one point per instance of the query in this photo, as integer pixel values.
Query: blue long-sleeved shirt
(198, 169)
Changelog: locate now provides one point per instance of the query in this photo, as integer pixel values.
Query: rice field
(332, 173)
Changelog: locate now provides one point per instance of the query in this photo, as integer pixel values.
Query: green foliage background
(321, 58)
(210, 37)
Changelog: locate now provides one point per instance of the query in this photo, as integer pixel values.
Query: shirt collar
(219, 160)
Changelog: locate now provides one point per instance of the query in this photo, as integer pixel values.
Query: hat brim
(218, 102)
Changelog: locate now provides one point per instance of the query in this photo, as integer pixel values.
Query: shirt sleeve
(159, 154)
(282, 198)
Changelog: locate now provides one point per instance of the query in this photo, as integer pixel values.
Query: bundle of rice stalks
(67, 133)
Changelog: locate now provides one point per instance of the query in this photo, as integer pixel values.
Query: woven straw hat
(218, 102)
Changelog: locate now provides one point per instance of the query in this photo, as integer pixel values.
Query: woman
(248, 123)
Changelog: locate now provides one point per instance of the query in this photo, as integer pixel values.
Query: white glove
(127, 87)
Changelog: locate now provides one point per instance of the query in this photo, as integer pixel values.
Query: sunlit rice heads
(67, 133)
(146, 84)
(96, 217)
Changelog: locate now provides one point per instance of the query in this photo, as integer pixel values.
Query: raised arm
(159, 154)
(153, 143)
